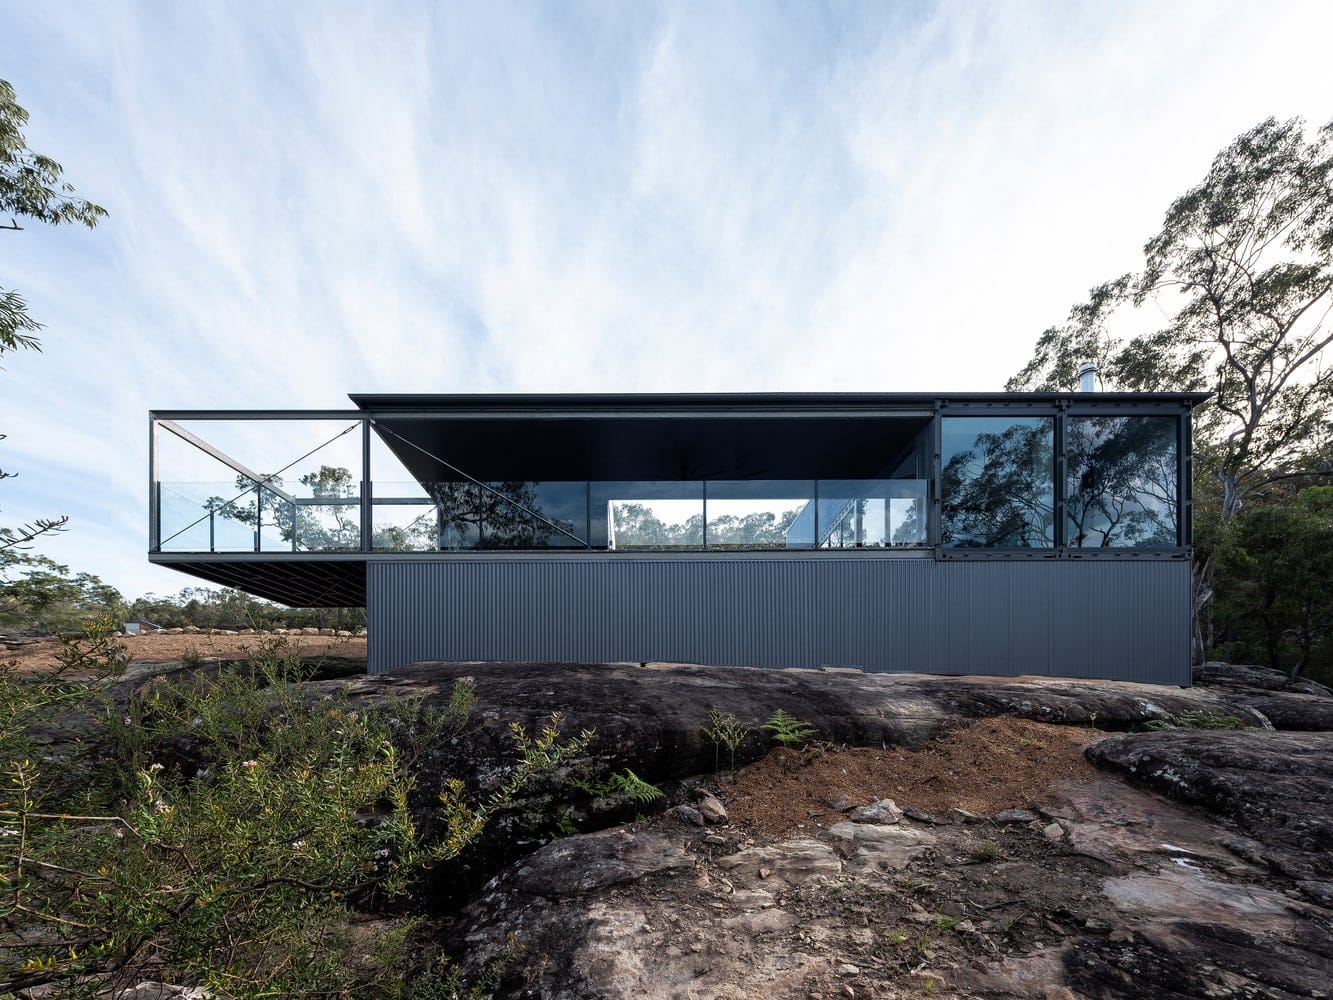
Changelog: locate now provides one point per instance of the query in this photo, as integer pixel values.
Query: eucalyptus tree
(1233, 297)
(30, 188)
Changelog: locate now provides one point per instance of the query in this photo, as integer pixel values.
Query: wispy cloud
(320, 198)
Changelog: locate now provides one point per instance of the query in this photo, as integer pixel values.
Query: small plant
(987, 850)
(96, 651)
(895, 937)
(625, 783)
(725, 730)
(788, 730)
(565, 826)
(1196, 720)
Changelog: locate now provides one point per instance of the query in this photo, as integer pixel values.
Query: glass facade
(997, 489)
(1121, 482)
(997, 482)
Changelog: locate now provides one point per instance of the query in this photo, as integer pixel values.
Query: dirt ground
(158, 648)
(985, 768)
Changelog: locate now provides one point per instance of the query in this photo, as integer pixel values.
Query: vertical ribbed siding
(1126, 620)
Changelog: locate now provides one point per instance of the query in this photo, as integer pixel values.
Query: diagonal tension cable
(507, 499)
(263, 482)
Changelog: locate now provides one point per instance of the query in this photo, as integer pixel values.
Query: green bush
(227, 831)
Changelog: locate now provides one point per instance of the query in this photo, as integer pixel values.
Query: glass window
(647, 515)
(998, 483)
(531, 515)
(1121, 482)
(871, 513)
(760, 514)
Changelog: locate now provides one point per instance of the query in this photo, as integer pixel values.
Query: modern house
(993, 533)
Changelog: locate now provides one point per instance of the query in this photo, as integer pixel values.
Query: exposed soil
(159, 648)
(985, 768)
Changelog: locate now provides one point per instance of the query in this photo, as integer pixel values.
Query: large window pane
(760, 514)
(647, 515)
(871, 513)
(1122, 482)
(998, 488)
(530, 515)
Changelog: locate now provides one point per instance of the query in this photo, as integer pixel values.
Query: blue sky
(308, 199)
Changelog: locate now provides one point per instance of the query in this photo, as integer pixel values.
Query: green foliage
(622, 783)
(1196, 720)
(229, 827)
(38, 593)
(788, 730)
(987, 850)
(30, 187)
(1275, 582)
(725, 730)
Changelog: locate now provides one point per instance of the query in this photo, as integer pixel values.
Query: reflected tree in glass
(315, 527)
(998, 487)
(501, 515)
(1122, 482)
(911, 530)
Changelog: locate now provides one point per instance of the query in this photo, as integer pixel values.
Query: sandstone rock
(883, 811)
(689, 814)
(1053, 831)
(712, 810)
(162, 991)
(1278, 787)
(921, 816)
(1236, 675)
(792, 862)
(1015, 816)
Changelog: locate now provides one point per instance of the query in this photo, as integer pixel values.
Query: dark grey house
(983, 533)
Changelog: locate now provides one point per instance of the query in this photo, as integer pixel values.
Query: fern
(788, 730)
(625, 783)
(725, 730)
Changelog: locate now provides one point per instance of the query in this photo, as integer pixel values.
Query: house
(989, 533)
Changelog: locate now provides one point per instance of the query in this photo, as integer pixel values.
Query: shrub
(229, 832)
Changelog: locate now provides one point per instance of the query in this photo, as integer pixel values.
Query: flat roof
(765, 400)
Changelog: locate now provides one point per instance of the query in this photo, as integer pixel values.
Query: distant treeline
(40, 595)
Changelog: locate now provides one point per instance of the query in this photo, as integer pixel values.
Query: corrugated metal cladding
(1111, 619)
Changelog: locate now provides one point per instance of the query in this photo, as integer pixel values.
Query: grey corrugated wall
(1115, 619)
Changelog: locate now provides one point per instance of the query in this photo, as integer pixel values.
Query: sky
(310, 199)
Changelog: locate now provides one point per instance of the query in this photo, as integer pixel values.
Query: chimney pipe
(1087, 377)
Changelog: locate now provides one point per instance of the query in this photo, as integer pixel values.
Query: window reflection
(1122, 482)
(760, 514)
(871, 513)
(998, 484)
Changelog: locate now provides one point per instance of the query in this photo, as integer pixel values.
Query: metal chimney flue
(1087, 377)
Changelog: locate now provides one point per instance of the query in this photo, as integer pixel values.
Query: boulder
(1277, 787)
